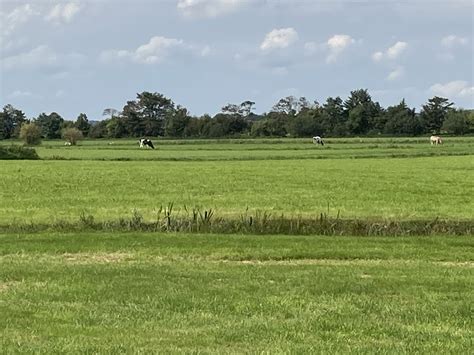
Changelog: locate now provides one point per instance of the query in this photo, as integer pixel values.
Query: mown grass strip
(205, 293)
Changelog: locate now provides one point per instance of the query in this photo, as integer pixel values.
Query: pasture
(71, 288)
(348, 177)
(110, 293)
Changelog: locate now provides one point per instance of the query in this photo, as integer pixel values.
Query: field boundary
(206, 221)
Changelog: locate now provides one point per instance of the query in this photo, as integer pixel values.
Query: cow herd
(145, 142)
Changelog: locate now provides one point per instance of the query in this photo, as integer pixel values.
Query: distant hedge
(18, 152)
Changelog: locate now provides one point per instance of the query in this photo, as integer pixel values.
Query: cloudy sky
(84, 56)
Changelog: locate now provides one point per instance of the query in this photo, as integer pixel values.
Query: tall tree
(434, 113)
(458, 121)
(146, 115)
(400, 119)
(177, 122)
(11, 120)
(82, 124)
(50, 125)
(246, 108)
(333, 116)
(110, 112)
(231, 109)
(362, 112)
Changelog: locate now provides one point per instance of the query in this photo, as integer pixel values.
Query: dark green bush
(18, 152)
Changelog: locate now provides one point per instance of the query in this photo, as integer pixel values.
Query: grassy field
(108, 293)
(216, 175)
(72, 287)
(254, 149)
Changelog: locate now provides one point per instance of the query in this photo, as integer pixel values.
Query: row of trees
(152, 114)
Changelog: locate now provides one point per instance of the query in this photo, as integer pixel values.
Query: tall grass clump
(200, 220)
(18, 152)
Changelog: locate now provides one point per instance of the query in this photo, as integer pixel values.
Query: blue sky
(84, 56)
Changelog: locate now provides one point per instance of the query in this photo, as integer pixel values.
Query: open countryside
(79, 261)
(236, 177)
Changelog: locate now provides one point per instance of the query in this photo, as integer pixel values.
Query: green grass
(258, 149)
(116, 292)
(107, 293)
(411, 188)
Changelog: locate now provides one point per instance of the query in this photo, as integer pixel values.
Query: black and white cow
(318, 140)
(146, 142)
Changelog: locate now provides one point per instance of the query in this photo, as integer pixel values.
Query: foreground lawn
(147, 292)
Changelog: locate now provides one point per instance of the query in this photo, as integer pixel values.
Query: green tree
(98, 129)
(434, 113)
(11, 120)
(246, 108)
(177, 122)
(400, 119)
(306, 123)
(362, 112)
(457, 122)
(82, 124)
(51, 125)
(72, 135)
(146, 116)
(334, 118)
(273, 124)
(30, 133)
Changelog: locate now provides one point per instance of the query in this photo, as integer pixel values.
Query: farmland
(71, 287)
(277, 176)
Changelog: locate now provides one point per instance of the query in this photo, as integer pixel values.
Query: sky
(76, 57)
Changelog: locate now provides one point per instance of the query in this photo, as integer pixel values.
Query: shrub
(30, 133)
(72, 135)
(17, 152)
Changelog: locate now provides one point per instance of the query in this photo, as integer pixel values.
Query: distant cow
(67, 143)
(318, 140)
(436, 140)
(146, 142)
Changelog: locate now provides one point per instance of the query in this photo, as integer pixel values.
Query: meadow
(86, 267)
(278, 176)
(149, 292)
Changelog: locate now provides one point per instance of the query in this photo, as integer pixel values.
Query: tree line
(153, 114)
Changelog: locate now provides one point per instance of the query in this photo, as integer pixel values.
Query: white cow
(146, 142)
(67, 143)
(436, 140)
(318, 140)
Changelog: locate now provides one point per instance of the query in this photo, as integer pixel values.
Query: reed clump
(201, 220)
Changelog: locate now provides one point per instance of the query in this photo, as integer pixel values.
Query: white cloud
(41, 57)
(63, 13)
(396, 50)
(396, 74)
(392, 52)
(453, 41)
(209, 8)
(11, 21)
(155, 51)
(377, 56)
(279, 39)
(15, 18)
(336, 45)
(457, 88)
(19, 94)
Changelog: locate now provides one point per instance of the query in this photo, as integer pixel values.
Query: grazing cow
(146, 142)
(436, 140)
(318, 140)
(67, 143)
